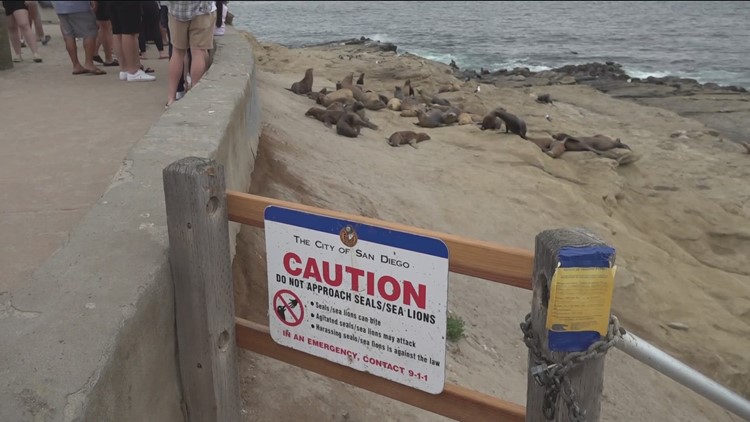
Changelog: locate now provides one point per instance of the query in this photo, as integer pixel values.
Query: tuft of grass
(454, 328)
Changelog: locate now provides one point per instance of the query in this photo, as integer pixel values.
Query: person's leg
(22, 20)
(164, 24)
(85, 27)
(178, 41)
(106, 39)
(115, 18)
(15, 39)
(36, 20)
(66, 29)
(201, 40)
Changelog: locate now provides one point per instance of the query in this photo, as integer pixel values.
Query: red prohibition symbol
(288, 307)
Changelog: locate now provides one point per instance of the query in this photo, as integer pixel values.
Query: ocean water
(708, 41)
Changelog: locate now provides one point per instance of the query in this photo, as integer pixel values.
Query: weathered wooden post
(568, 330)
(6, 59)
(195, 197)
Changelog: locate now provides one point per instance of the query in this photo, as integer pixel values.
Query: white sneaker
(140, 76)
(123, 76)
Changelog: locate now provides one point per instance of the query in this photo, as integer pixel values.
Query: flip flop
(147, 69)
(81, 72)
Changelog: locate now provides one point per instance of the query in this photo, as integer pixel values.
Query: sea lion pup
(361, 80)
(371, 100)
(359, 108)
(316, 95)
(596, 143)
(556, 149)
(452, 87)
(347, 81)
(465, 119)
(407, 137)
(350, 124)
(512, 122)
(544, 99)
(408, 90)
(398, 93)
(433, 99)
(409, 107)
(543, 143)
(338, 95)
(492, 122)
(434, 118)
(305, 85)
(394, 104)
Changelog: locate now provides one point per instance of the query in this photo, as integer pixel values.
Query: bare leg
(176, 64)
(89, 44)
(22, 20)
(130, 53)
(104, 39)
(15, 39)
(70, 45)
(117, 38)
(36, 19)
(198, 65)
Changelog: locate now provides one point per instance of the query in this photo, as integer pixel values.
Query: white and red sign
(367, 297)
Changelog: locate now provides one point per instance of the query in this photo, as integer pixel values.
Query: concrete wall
(91, 337)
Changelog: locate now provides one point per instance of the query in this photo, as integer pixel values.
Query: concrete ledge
(91, 336)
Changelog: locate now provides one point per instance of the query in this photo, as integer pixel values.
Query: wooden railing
(198, 211)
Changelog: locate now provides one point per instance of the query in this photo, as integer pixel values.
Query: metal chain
(553, 375)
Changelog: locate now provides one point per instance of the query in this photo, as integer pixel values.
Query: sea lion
(338, 85)
(347, 81)
(407, 137)
(315, 95)
(328, 117)
(359, 108)
(543, 143)
(453, 87)
(410, 103)
(338, 95)
(556, 149)
(383, 98)
(371, 100)
(434, 118)
(746, 145)
(453, 64)
(544, 99)
(433, 99)
(350, 124)
(408, 90)
(512, 122)
(394, 104)
(305, 85)
(596, 143)
(336, 106)
(361, 80)
(465, 119)
(398, 93)
(491, 122)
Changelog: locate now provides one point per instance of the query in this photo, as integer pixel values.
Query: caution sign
(580, 299)
(363, 296)
(288, 308)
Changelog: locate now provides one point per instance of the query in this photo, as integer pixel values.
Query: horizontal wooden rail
(454, 402)
(474, 258)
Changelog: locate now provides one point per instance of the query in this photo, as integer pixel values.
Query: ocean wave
(643, 74)
(380, 37)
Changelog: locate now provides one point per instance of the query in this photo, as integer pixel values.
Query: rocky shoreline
(725, 109)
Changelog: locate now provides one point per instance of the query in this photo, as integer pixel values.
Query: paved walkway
(63, 138)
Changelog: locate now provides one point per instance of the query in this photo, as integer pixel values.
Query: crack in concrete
(7, 310)
(46, 211)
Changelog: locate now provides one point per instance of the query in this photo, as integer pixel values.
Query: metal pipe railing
(641, 350)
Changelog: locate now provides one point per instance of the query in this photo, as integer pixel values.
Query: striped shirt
(186, 10)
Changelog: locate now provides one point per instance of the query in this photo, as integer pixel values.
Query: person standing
(104, 36)
(17, 15)
(77, 20)
(150, 29)
(126, 23)
(191, 25)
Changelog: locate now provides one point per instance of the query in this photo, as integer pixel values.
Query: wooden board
(454, 402)
(486, 260)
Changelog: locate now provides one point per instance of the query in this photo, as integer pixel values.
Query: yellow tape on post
(580, 299)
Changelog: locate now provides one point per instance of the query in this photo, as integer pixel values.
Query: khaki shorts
(197, 33)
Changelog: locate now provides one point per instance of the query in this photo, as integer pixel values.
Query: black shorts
(164, 17)
(102, 10)
(125, 16)
(12, 6)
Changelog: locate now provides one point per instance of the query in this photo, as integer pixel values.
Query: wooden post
(6, 59)
(198, 227)
(554, 247)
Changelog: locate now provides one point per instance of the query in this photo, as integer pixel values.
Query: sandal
(81, 72)
(114, 62)
(147, 69)
(98, 59)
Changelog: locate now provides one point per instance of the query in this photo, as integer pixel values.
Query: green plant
(454, 328)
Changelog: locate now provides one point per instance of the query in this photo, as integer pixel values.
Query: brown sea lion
(328, 117)
(359, 108)
(305, 85)
(556, 149)
(453, 87)
(408, 90)
(543, 143)
(407, 137)
(465, 119)
(394, 104)
(434, 118)
(596, 143)
(383, 98)
(491, 122)
(361, 80)
(338, 95)
(398, 93)
(544, 99)
(433, 99)
(409, 113)
(336, 106)
(410, 103)
(315, 95)
(512, 122)
(350, 124)
(371, 100)
(347, 81)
